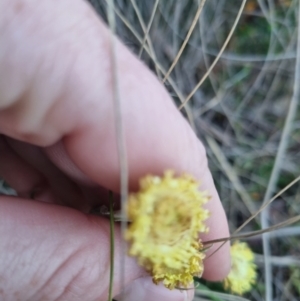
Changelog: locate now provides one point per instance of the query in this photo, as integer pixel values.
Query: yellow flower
(166, 217)
(243, 270)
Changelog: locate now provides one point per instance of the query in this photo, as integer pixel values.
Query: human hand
(59, 148)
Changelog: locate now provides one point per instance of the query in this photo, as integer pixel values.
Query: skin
(58, 151)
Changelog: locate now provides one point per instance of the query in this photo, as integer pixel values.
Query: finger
(28, 165)
(59, 189)
(144, 289)
(50, 252)
(28, 171)
(22, 177)
(68, 65)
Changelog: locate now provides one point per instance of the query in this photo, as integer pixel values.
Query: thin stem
(148, 27)
(195, 20)
(159, 66)
(112, 245)
(289, 221)
(218, 56)
(142, 23)
(120, 134)
(234, 234)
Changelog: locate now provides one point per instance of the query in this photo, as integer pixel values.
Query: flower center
(172, 221)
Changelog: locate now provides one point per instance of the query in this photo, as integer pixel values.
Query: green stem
(112, 246)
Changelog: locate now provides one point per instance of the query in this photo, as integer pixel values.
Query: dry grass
(242, 91)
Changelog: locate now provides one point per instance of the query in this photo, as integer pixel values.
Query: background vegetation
(245, 111)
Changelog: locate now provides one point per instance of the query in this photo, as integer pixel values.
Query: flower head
(243, 270)
(166, 217)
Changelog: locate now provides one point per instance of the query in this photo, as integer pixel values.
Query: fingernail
(144, 289)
